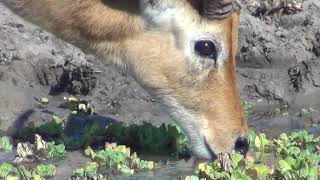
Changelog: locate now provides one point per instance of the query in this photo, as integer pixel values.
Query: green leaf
(5, 144)
(142, 164)
(55, 151)
(252, 136)
(37, 177)
(284, 166)
(44, 100)
(12, 177)
(26, 174)
(235, 159)
(313, 172)
(52, 128)
(125, 169)
(56, 119)
(263, 171)
(91, 169)
(46, 170)
(5, 170)
(82, 107)
(294, 150)
(191, 178)
(236, 175)
(89, 152)
(123, 149)
(257, 143)
(79, 173)
(291, 161)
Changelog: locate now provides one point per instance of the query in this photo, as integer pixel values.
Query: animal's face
(184, 54)
(188, 62)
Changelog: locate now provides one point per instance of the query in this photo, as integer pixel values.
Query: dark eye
(206, 48)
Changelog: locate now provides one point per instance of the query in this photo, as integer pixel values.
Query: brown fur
(154, 59)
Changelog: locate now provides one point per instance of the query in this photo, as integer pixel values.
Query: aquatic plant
(298, 155)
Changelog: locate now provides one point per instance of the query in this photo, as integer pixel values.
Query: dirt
(35, 63)
(278, 66)
(278, 71)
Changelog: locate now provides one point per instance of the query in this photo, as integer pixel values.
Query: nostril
(242, 146)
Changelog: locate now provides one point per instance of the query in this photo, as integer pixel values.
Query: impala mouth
(211, 152)
(223, 158)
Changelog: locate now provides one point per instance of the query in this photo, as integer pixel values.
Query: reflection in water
(167, 170)
(6, 157)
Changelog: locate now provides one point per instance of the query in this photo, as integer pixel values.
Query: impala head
(186, 58)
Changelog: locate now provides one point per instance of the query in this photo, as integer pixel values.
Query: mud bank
(278, 71)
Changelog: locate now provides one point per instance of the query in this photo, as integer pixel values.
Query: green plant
(42, 102)
(148, 138)
(41, 172)
(45, 170)
(7, 169)
(39, 150)
(79, 106)
(89, 172)
(307, 110)
(52, 128)
(260, 144)
(241, 169)
(5, 144)
(246, 107)
(297, 153)
(193, 177)
(166, 139)
(55, 151)
(285, 114)
(118, 158)
(263, 146)
(25, 173)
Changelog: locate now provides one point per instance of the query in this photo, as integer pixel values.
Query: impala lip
(211, 152)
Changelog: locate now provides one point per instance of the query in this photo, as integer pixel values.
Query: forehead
(183, 22)
(178, 16)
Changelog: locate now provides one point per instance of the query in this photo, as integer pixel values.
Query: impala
(181, 51)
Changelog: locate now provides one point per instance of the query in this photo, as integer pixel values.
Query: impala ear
(220, 9)
(234, 33)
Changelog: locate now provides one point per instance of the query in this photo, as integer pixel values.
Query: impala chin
(186, 119)
(213, 125)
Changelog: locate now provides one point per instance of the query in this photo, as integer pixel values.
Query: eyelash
(206, 48)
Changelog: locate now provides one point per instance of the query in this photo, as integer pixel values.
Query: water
(166, 168)
(6, 157)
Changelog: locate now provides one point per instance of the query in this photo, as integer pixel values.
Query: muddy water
(166, 168)
(72, 161)
(6, 157)
(166, 171)
(269, 119)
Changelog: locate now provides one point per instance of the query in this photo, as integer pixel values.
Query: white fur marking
(174, 16)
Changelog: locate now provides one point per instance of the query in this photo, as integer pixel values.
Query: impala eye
(206, 48)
